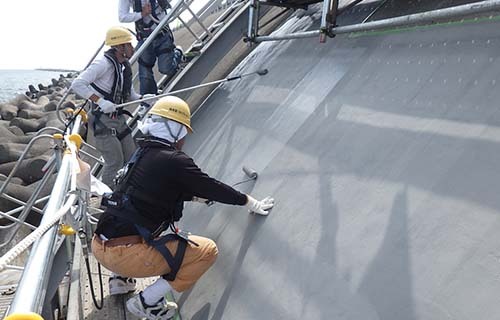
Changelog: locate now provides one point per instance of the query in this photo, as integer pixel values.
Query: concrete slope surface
(382, 151)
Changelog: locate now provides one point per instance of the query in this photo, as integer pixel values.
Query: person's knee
(211, 251)
(147, 76)
(167, 63)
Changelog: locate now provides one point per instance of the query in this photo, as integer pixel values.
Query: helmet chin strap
(175, 136)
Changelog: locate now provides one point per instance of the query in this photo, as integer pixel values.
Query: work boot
(162, 310)
(188, 56)
(121, 285)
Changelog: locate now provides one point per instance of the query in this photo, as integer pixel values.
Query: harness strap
(124, 133)
(101, 129)
(143, 29)
(112, 132)
(173, 261)
(122, 80)
(105, 94)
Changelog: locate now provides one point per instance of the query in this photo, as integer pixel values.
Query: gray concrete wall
(382, 152)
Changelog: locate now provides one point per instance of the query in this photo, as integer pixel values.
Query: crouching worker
(148, 199)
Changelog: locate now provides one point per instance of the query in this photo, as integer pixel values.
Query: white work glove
(106, 106)
(260, 207)
(151, 99)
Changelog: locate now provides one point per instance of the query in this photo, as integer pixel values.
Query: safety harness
(119, 204)
(143, 29)
(120, 93)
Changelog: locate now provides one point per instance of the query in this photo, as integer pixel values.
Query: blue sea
(13, 82)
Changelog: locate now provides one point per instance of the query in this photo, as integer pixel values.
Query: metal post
(328, 18)
(253, 20)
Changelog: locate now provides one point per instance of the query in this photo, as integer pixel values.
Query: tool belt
(101, 130)
(112, 132)
(118, 112)
(143, 33)
(121, 241)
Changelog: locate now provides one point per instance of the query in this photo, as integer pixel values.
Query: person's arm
(124, 14)
(81, 85)
(203, 186)
(199, 184)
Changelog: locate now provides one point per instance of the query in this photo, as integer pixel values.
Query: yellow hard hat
(173, 108)
(118, 35)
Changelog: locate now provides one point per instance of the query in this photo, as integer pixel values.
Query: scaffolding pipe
(189, 29)
(195, 17)
(19, 202)
(8, 214)
(29, 205)
(412, 19)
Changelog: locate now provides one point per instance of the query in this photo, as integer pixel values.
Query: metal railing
(33, 284)
(402, 21)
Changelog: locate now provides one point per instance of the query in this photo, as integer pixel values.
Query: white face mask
(157, 127)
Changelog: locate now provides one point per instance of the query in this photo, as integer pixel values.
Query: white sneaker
(162, 310)
(181, 53)
(121, 285)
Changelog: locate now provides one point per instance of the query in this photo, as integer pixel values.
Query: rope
(32, 237)
(40, 231)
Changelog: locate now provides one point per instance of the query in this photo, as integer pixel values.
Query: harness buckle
(113, 131)
(185, 235)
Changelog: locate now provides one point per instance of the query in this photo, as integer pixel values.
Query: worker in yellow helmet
(107, 82)
(148, 199)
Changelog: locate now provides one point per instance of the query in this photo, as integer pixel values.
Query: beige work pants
(141, 260)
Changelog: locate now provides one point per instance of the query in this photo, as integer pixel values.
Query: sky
(60, 34)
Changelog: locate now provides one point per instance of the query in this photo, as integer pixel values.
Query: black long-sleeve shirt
(169, 177)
